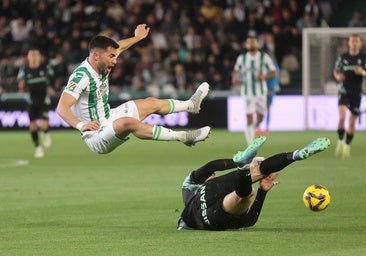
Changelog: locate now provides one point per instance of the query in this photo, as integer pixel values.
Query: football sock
(341, 133)
(165, 134)
(179, 105)
(276, 163)
(35, 138)
(244, 185)
(249, 133)
(349, 138)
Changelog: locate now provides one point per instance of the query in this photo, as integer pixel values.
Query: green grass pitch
(74, 202)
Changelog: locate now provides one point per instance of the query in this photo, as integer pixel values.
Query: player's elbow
(61, 109)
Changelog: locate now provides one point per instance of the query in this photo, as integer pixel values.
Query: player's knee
(125, 125)
(153, 103)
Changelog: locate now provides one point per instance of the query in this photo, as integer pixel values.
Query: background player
(251, 71)
(349, 71)
(36, 78)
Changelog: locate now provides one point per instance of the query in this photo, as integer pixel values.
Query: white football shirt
(91, 90)
(249, 67)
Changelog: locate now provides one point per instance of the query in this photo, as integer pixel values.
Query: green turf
(74, 202)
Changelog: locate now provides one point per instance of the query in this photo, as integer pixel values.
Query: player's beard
(252, 49)
(103, 70)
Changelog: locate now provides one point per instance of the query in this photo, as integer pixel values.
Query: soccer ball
(316, 198)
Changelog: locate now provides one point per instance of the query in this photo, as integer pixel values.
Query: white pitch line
(13, 163)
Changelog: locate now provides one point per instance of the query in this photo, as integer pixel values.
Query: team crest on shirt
(71, 86)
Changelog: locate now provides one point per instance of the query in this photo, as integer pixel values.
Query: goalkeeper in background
(349, 71)
(224, 202)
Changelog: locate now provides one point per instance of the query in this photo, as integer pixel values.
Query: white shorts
(255, 104)
(105, 140)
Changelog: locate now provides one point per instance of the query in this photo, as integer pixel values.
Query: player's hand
(261, 77)
(91, 126)
(267, 183)
(358, 70)
(340, 77)
(141, 31)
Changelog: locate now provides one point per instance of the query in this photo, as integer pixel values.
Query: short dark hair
(102, 42)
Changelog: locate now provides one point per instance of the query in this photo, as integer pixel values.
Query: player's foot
(46, 138)
(244, 157)
(316, 146)
(197, 135)
(259, 132)
(198, 96)
(346, 152)
(38, 153)
(339, 148)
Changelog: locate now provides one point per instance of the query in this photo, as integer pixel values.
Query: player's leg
(232, 188)
(235, 204)
(237, 186)
(126, 125)
(44, 127)
(346, 150)
(249, 131)
(241, 158)
(341, 131)
(355, 103)
(238, 201)
(270, 96)
(33, 130)
(152, 105)
(260, 167)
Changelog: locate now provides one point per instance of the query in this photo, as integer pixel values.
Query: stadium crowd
(190, 41)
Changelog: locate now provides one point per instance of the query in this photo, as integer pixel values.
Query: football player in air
(84, 102)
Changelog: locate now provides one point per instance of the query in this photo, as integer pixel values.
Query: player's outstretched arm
(141, 32)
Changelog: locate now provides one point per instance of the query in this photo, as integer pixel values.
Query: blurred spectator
(253, 24)
(63, 14)
(306, 21)
(357, 20)
(313, 8)
(20, 31)
(239, 11)
(179, 79)
(295, 9)
(275, 10)
(5, 35)
(61, 73)
(202, 36)
(211, 12)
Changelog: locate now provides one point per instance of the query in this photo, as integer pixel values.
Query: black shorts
(353, 102)
(38, 112)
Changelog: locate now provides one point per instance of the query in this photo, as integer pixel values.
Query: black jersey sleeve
(204, 172)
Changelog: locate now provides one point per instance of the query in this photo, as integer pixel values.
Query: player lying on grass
(224, 202)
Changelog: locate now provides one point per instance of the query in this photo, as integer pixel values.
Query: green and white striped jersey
(249, 67)
(91, 90)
